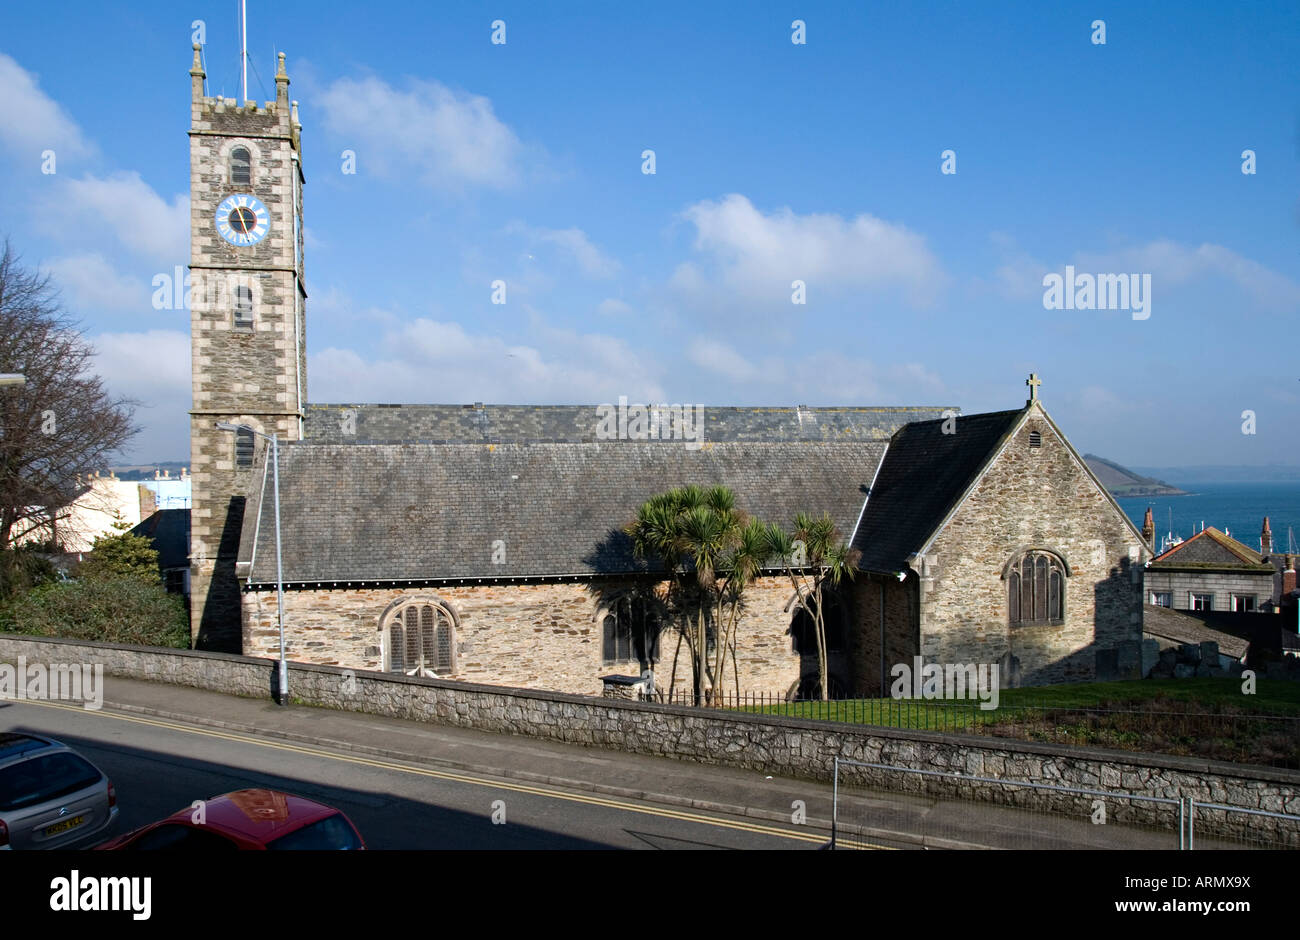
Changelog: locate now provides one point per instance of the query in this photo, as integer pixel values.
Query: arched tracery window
(1036, 589)
(629, 631)
(421, 640)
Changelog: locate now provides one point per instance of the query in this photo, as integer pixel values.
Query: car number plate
(64, 826)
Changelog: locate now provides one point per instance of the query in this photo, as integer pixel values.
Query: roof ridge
(1240, 549)
(970, 417)
(1222, 539)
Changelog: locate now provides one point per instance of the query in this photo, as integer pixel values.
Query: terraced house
(484, 542)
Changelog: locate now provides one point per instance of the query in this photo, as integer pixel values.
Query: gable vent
(1035, 439)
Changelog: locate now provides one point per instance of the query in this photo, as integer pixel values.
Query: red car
(254, 820)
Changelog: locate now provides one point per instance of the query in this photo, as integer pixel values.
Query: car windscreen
(173, 837)
(329, 834)
(41, 779)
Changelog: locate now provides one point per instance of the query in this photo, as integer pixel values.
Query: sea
(1236, 508)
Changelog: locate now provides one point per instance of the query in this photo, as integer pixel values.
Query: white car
(50, 796)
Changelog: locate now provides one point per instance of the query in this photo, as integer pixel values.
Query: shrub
(121, 610)
(121, 556)
(22, 569)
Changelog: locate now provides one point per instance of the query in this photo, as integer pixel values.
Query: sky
(775, 161)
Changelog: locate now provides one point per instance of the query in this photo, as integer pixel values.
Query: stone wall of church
(1032, 497)
(896, 622)
(538, 636)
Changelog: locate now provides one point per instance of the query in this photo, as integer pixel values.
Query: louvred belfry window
(241, 167)
(243, 447)
(421, 641)
(1036, 590)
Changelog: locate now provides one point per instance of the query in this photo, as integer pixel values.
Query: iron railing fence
(1235, 736)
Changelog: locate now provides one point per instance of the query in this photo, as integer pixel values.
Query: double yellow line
(549, 792)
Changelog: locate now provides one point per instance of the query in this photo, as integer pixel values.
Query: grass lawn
(1196, 717)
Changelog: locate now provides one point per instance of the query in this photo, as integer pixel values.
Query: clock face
(242, 220)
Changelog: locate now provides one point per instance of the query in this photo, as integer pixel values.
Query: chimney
(148, 502)
(197, 75)
(1266, 539)
(1288, 576)
(1149, 528)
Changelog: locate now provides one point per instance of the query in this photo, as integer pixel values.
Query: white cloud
(335, 306)
(432, 361)
(130, 209)
(1097, 399)
(613, 307)
(447, 139)
(823, 377)
(1170, 263)
(152, 367)
(1020, 275)
(719, 358)
(31, 121)
(572, 242)
(90, 285)
(746, 253)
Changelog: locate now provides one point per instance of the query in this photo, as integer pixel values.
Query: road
(159, 766)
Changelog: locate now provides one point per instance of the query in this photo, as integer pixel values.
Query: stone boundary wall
(781, 746)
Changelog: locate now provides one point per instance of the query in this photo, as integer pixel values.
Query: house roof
(169, 530)
(1210, 547)
(416, 512)
(1172, 625)
(503, 424)
(924, 475)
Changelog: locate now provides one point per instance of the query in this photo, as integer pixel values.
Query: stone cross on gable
(1033, 382)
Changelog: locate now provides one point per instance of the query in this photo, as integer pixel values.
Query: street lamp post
(279, 565)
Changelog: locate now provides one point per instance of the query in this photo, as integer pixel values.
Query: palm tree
(695, 534)
(813, 556)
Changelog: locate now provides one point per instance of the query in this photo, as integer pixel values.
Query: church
(484, 543)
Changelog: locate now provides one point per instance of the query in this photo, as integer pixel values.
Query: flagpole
(243, 47)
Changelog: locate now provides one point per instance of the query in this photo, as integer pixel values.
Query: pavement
(874, 819)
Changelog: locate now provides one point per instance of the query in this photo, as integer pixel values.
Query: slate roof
(1210, 548)
(502, 424)
(1172, 625)
(169, 530)
(925, 473)
(415, 512)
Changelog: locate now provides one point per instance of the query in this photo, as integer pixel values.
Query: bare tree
(57, 426)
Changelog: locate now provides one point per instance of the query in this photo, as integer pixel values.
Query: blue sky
(774, 162)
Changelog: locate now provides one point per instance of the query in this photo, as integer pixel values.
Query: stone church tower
(247, 313)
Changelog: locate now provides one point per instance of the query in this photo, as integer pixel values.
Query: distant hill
(144, 471)
(1223, 473)
(1121, 481)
